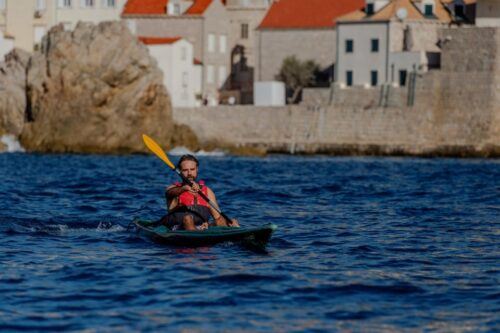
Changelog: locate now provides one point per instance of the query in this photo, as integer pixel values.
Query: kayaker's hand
(204, 226)
(195, 187)
(234, 223)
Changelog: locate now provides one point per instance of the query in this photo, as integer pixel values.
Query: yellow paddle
(158, 151)
(155, 148)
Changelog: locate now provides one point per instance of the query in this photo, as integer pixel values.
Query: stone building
(204, 23)
(304, 28)
(488, 13)
(383, 46)
(244, 17)
(26, 22)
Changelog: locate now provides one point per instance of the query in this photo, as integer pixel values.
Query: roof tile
(290, 14)
(145, 7)
(158, 40)
(198, 7)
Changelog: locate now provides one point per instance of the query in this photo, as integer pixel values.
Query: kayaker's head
(188, 165)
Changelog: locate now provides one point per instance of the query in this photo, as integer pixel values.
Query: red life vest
(190, 199)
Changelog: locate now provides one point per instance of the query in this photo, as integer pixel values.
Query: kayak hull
(257, 237)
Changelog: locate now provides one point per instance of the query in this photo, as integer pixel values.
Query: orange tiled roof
(198, 7)
(353, 16)
(442, 13)
(307, 13)
(158, 40)
(144, 7)
(413, 13)
(390, 10)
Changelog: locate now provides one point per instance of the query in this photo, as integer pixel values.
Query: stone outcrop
(95, 90)
(13, 92)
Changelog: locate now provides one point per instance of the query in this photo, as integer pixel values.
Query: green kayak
(256, 237)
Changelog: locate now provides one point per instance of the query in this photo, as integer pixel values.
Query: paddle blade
(156, 149)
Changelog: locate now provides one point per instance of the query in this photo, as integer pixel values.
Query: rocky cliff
(94, 90)
(13, 92)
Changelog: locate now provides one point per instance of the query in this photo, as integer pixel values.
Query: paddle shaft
(214, 206)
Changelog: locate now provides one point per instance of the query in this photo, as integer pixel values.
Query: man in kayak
(187, 209)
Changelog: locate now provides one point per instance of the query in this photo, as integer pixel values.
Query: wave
(179, 151)
(13, 145)
(60, 229)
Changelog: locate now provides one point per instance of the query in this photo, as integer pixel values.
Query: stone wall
(456, 111)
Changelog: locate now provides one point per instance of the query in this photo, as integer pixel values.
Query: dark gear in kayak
(188, 203)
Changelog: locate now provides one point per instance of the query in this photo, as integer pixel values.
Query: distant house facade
(6, 45)
(204, 23)
(27, 21)
(488, 13)
(388, 40)
(301, 28)
(175, 58)
(69, 12)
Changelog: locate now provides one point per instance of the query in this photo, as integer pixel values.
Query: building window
(64, 3)
(374, 78)
(86, 3)
(2, 4)
(429, 10)
(185, 79)
(177, 9)
(459, 11)
(39, 32)
(402, 77)
(109, 3)
(349, 46)
(183, 53)
(374, 45)
(40, 5)
(222, 43)
(132, 26)
(244, 31)
(211, 43)
(370, 9)
(348, 78)
(210, 74)
(222, 76)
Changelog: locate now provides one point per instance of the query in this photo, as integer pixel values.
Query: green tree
(296, 75)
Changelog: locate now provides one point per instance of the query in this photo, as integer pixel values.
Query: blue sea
(363, 245)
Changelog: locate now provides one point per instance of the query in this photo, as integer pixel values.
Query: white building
(69, 12)
(388, 40)
(6, 45)
(181, 75)
(27, 21)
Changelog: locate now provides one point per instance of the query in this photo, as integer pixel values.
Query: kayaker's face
(189, 170)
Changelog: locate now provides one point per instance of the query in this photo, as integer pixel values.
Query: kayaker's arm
(173, 191)
(218, 218)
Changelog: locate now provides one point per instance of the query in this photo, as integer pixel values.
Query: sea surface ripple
(364, 244)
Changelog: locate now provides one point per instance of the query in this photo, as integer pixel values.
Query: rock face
(13, 92)
(94, 90)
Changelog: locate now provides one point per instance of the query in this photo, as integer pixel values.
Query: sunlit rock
(95, 89)
(13, 92)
